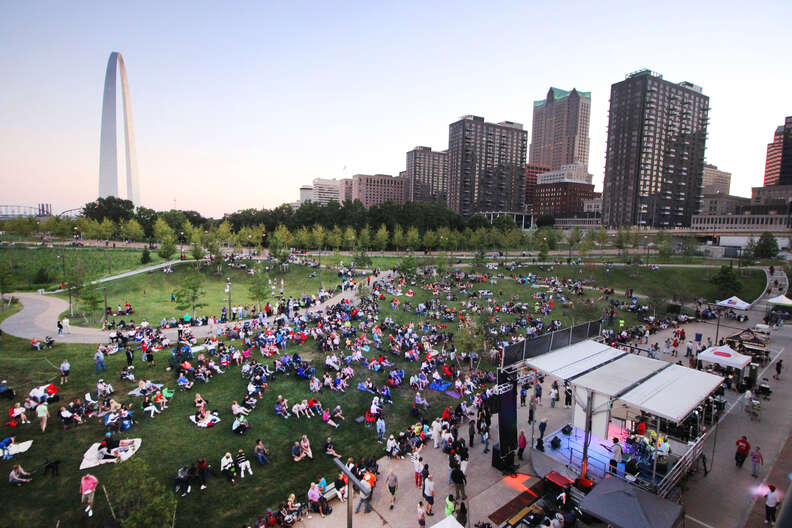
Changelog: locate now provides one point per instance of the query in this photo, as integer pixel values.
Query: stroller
(764, 389)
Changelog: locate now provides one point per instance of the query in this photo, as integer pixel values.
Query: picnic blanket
(21, 447)
(440, 386)
(137, 392)
(212, 420)
(92, 458)
(453, 394)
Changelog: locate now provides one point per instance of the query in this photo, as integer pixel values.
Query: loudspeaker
(540, 444)
(567, 429)
(555, 443)
(502, 461)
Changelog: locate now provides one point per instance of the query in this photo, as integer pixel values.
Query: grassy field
(149, 293)
(23, 264)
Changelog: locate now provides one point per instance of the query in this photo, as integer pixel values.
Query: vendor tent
(448, 522)
(781, 300)
(724, 356)
(623, 505)
(735, 302)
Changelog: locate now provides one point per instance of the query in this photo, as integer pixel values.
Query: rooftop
(559, 94)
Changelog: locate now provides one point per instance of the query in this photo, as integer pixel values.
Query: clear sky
(237, 104)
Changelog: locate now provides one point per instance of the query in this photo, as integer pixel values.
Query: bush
(145, 258)
(41, 276)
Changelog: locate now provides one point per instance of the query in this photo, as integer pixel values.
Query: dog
(53, 467)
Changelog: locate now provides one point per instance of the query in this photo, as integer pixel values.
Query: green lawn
(23, 263)
(149, 293)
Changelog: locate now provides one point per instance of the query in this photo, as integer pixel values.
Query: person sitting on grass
(149, 407)
(329, 448)
(420, 401)
(300, 408)
(228, 468)
(183, 382)
(281, 410)
(336, 413)
(200, 401)
(237, 409)
(18, 413)
(326, 419)
(240, 425)
(19, 476)
(160, 399)
(297, 453)
(315, 385)
(392, 447)
(305, 447)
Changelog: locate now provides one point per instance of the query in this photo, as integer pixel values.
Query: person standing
(88, 485)
(461, 514)
(471, 431)
(616, 455)
(542, 428)
(553, 397)
(421, 515)
(65, 367)
(42, 411)
(100, 364)
(418, 466)
(392, 481)
(380, 429)
(522, 443)
(459, 480)
(567, 395)
(60, 327)
(538, 392)
(523, 394)
(450, 505)
(66, 325)
(778, 367)
(428, 493)
(771, 505)
(485, 437)
(532, 410)
(743, 448)
(757, 461)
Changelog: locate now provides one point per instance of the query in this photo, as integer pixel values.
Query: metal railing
(683, 466)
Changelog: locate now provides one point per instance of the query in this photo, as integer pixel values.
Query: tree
(479, 261)
(318, 236)
(197, 252)
(132, 230)
(259, 288)
(748, 255)
(364, 238)
(727, 282)
(413, 239)
(767, 247)
(504, 223)
(398, 238)
(111, 208)
(302, 238)
(622, 240)
(162, 231)
(91, 301)
(430, 240)
(361, 258)
(657, 296)
(408, 266)
(477, 221)
(602, 236)
(689, 246)
(381, 238)
(663, 244)
(335, 237)
(545, 221)
(225, 233)
(41, 276)
(543, 249)
(574, 236)
(139, 500)
(585, 246)
(145, 257)
(167, 249)
(350, 237)
(190, 293)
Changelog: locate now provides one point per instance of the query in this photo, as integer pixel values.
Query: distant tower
(108, 155)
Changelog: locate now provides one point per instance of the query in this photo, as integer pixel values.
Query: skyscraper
(657, 132)
(714, 181)
(108, 152)
(326, 190)
(778, 164)
(427, 175)
(377, 189)
(486, 166)
(560, 130)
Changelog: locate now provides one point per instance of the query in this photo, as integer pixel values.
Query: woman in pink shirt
(87, 487)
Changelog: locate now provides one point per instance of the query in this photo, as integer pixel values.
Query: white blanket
(212, 420)
(92, 458)
(136, 392)
(21, 447)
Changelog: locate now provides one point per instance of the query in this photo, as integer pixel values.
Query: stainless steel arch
(108, 155)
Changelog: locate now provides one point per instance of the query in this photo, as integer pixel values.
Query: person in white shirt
(771, 505)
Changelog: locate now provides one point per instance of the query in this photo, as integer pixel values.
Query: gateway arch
(108, 155)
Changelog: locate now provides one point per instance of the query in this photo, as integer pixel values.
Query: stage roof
(657, 387)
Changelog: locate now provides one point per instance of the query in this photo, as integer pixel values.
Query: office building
(778, 164)
(722, 204)
(575, 172)
(714, 181)
(426, 175)
(563, 199)
(560, 130)
(486, 166)
(657, 133)
(532, 171)
(326, 190)
(377, 189)
(306, 192)
(345, 189)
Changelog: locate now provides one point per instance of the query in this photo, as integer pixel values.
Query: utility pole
(228, 290)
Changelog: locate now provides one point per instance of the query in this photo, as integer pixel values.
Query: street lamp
(646, 243)
(181, 244)
(228, 291)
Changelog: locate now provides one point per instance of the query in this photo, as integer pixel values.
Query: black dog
(52, 466)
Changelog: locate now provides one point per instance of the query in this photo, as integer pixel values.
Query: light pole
(228, 291)
(646, 243)
(181, 244)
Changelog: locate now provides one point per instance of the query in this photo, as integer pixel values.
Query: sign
(699, 337)
(621, 322)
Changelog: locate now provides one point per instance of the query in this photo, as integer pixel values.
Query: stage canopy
(735, 302)
(657, 387)
(724, 356)
(623, 505)
(781, 300)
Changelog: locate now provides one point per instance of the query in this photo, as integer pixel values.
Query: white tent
(448, 522)
(724, 356)
(736, 302)
(781, 300)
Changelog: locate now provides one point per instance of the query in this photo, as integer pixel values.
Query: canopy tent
(781, 300)
(724, 356)
(735, 302)
(571, 361)
(620, 504)
(448, 522)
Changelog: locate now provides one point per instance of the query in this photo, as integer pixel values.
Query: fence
(516, 353)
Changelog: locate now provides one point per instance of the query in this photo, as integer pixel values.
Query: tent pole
(657, 443)
(587, 434)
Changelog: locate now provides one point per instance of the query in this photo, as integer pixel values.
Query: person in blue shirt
(5, 444)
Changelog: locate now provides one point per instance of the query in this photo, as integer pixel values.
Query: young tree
(132, 230)
(162, 231)
(381, 238)
(602, 236)
(622, 240)
(318, 236)
(225, 232)
(413, 239)
(190, 293)
(361, 258)
(259, 288)
(302, 238)
(197, 253)
(107, 229)
(479, 261)
(574, 236)
(543, 249)
(167, 249)
(767, 247)
(663, 244)
(430, 240)
(408, 266)
(335, 237)
(726, 282)
(364, 238)
(748, 255)
(91, 301)
(139, 499)
(689, 246)
(145, 257)
(350, 237)
(398, 238)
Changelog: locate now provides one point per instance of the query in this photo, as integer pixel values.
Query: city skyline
(254, 112)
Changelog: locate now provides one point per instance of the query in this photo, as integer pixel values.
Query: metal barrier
(683, 466)
(513, 357)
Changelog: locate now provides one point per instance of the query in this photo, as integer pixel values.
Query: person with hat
(772, 500)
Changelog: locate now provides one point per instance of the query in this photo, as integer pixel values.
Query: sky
(238, 104)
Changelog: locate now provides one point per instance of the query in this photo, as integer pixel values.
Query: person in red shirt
(743, 448)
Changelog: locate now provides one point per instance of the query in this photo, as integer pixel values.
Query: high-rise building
(486, 166)
(560, 130)
(563, 199)
(426, 175)
(657, 133)
(714, 181)
(573, 172)
(326, 190)
(532, 171)
(378, 188)
(306, 192)
(778, 164)
(345, 190)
